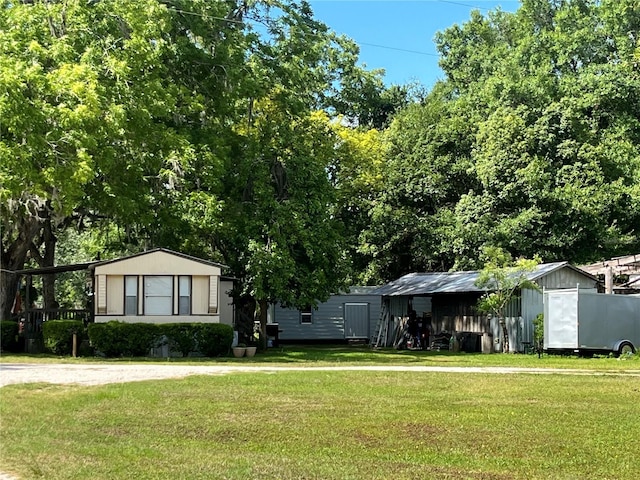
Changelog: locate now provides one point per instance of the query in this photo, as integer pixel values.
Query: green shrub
(538, 332)
(58, 335)
(105, 338)
(9, 336)
(180, 337)
(214, 339)
(118, 339)
(141, 338)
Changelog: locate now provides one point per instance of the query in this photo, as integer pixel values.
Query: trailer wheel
(626, 348)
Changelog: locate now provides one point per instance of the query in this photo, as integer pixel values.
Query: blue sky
(400, 25)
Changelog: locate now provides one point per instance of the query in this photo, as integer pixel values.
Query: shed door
(356, 320)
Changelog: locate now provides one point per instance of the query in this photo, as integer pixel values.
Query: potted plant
(251, 349)
(254, 341)
(239, 350)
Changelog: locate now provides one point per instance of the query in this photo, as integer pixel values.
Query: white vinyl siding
(171, 287)
(158, 295)
(199, 295)
(101, 289)
(213, 294)
(115, 295)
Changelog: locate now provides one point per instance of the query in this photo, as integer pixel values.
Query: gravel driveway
(97, 374)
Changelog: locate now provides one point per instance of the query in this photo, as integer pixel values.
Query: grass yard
(327, 425)
(363, 355)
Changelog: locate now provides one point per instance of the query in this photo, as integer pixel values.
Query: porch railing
(31, 320)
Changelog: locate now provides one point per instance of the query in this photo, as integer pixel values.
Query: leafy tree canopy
(165, 119)
(530, 143)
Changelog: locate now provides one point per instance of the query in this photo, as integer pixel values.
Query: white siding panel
(157, 263)
(115, 295)
(161, 319)
(213, 294)
(200, 295)
(101, 293)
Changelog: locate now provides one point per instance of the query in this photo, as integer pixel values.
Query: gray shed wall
(327, 321)
(565, 278)
(457, 311)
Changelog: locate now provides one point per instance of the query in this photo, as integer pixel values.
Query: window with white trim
(130, 295)
(306, 316)
(184, 295)
(158, 295)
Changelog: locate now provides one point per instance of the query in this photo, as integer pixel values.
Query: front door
(356, 320)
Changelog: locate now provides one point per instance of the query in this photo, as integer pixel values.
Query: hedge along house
(447, 302)
(343, 317)
(161, 286)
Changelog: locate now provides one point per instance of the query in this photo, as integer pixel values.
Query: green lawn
(363, 355)
(332, 425)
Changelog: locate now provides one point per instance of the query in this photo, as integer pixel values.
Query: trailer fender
(624, 346)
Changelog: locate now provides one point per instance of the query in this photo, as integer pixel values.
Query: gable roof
(457, 282)
(155, 250)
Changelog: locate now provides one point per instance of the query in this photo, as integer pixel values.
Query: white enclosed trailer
(587, 322)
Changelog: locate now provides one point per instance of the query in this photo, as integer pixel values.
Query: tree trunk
(263, 305)
(245, 314)
(13, 257)
(48, 259)
(8, 289)
(505, 335)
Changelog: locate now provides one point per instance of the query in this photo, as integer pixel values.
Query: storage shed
(161, 286)
(447, 302)
(343, 317)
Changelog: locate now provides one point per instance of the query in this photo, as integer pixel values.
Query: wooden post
(74, 350)
(608, 279)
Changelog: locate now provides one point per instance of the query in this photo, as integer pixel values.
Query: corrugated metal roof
(360, 290)
(453, 282)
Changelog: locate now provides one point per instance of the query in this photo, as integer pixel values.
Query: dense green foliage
(9, 335)
(188, 125)
(180, 337)
(119, 339)
(530, 143)
(246, 133)
(214, 339)
(58, 335)
(209, 339)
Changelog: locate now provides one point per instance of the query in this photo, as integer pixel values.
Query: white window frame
(131, 292)
(184, 283)
(306, 315)
(158, 295)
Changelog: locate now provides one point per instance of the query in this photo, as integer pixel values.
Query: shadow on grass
(355, 354)
(284, 354)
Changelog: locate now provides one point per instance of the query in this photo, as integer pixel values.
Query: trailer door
(561, 319)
